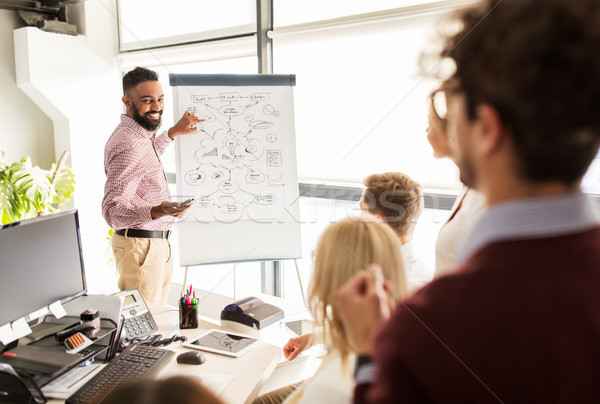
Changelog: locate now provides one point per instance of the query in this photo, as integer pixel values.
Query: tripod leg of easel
(234, 283)
(300, 283)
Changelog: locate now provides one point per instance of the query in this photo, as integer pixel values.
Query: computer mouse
(191, 358)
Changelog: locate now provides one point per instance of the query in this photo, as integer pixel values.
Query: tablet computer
(226, 343)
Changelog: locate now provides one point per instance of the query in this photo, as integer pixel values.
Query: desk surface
(249, 371)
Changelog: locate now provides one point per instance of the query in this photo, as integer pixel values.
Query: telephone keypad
(139, 326)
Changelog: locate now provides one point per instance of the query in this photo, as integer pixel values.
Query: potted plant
(28, 191)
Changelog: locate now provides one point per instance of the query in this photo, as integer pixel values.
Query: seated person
(342, 251)
(175, 389)
(397, 200)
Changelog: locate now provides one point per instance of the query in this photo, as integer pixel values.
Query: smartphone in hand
(187, 203)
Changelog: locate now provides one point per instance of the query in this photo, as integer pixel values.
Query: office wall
(25, 130)
(75, 81)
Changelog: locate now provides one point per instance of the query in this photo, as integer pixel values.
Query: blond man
(397, 200)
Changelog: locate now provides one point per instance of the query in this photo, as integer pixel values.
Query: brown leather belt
(144, 233)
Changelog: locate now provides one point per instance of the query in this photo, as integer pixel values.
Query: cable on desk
(156, 340)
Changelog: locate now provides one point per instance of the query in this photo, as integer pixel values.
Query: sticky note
(57, 309)
(20, 328)
(38, 314)
(7, 335)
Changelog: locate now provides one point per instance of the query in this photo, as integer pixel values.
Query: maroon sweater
(520, 322)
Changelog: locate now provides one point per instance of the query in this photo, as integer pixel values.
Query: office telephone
(138, 322)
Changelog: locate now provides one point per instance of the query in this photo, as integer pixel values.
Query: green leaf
(65, 184)
(33, 183)
(26, 190)
(3, 162)
(10, 202)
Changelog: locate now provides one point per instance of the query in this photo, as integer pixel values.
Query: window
(361, 102)
(151, 23)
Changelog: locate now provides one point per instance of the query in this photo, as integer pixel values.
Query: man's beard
(144, 121)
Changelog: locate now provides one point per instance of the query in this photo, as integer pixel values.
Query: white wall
(75, 81)
(25, 130)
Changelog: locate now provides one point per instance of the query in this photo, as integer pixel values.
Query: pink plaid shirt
(135, 180)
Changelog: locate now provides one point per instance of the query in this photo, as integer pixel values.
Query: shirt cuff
(166, 134)
(365, 370)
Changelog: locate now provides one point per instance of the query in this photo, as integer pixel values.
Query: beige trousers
(145, 264)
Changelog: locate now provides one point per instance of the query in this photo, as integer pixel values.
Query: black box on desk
(251, 312)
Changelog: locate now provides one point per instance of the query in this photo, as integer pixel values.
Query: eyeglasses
(439, 98)
(439, 103)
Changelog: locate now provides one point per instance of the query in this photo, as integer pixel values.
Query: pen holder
(188, 315)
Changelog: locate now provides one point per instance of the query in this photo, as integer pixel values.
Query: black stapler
(251, 312)
(84, 328)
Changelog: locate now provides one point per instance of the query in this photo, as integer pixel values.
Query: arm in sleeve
(161, 142)
(398, 387)
(387, 376)
(122, 207)
(364, 375)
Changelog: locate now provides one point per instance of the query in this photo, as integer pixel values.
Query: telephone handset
(138, 322)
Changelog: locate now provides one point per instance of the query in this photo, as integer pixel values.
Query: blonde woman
(345, 248)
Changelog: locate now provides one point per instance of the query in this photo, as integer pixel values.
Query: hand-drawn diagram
(234, 163)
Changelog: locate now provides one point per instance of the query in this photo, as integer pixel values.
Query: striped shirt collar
(136, 127)
(530, 218)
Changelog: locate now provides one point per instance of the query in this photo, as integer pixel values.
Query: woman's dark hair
(538, 63)
(137, 76)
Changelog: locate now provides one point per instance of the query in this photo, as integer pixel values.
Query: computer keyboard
(135, 361)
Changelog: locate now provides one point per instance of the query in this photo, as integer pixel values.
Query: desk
(250, 371)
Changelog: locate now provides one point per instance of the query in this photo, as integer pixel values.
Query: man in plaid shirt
(136, 195)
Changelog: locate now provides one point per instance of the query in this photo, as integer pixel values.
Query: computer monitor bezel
(28, 222)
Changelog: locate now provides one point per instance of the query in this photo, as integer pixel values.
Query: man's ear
(490, 127)
(127, 101)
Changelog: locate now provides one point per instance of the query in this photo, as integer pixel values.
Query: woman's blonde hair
(345, 248)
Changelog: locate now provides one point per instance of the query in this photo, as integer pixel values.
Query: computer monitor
(41, 262)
